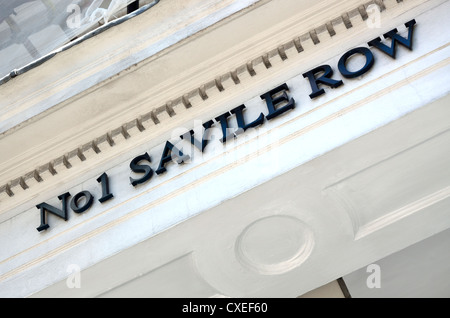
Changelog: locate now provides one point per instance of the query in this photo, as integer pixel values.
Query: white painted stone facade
(338, 182)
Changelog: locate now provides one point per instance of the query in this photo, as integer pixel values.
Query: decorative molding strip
(374, 214)
(111, 137)
(403, 212)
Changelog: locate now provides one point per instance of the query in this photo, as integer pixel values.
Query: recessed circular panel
(274, 245)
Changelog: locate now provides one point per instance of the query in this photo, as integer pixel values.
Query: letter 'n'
(62, 213)
(391, 50)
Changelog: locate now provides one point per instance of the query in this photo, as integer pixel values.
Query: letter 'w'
(391, 50)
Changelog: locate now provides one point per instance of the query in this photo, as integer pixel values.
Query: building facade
(256, 148)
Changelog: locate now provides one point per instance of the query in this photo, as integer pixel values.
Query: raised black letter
(87, 203)
(241, 121)
(324, 79)
(394, 39)
(49, 208)
(343, 60)
(136, 167)
(190, 135)
(106, 195)
(167, 156)
(276, 97)
(223, 120)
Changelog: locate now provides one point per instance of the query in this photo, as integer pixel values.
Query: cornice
(243, 73)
